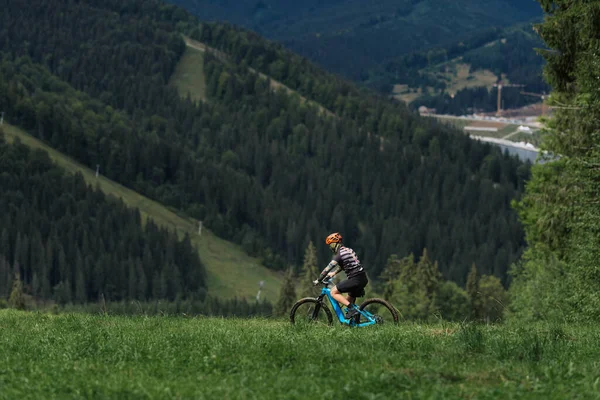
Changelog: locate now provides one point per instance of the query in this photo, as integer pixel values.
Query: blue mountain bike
(311, 310)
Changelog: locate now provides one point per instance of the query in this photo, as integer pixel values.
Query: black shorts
(354, 286)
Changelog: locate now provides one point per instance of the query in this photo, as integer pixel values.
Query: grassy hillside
(456, 75)
(231, 272)
(188, 77)
(83, 356)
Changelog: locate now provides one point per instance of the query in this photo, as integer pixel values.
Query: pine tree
(4, 277)
(45, 290)
(309, 272)
(37, 259)
(142, 289)
(80, 286)
(473, 293)
(17, 298)
(394, 269)
(493, 298)
(428, 274)
(131, 295)
(156, 285)
(80, 280)
(5, 244)
(35, 285)
(287, 294)
(163, 284)
(63, 293)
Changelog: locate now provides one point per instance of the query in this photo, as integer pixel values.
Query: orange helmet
(333, 238)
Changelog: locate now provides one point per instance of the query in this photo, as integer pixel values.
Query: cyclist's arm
(335, 271)
(333, 264)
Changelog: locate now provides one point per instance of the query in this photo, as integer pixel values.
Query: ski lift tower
(261, 284)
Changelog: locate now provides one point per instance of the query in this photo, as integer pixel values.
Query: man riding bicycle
(356, 278)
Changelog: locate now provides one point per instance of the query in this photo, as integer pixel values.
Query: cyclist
(356, 278)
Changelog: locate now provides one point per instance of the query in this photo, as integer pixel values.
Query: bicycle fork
(318, 307)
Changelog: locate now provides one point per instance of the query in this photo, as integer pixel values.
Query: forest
(69, 242)
(259, 167)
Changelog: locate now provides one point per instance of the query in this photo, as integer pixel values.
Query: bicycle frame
(326, 292)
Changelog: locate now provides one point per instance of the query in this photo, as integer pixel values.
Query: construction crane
(542, 96)
(500, 85)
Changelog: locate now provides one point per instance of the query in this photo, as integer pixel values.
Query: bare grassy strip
(231, 272)
(93, 357)
(188, 77)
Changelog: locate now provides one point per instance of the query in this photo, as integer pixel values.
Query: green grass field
(231, 272)
(188, 77)
(97, 357)
(507, 130)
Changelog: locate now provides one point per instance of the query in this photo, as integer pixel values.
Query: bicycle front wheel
(381, 310)
(310, 311)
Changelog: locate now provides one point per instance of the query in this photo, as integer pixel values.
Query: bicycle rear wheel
(310, 311)
(382, 311)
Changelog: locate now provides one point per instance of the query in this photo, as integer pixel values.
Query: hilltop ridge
(352, 37)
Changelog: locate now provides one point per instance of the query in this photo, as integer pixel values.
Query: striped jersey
(346, 258)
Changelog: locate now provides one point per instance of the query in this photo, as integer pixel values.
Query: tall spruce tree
(5, 277)
(473, 292)
(309, 272)
(560, 278)
(493, 299)
(394, 269)
(17, 297)
(287, 294)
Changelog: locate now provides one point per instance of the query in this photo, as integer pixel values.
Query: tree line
(415, 287)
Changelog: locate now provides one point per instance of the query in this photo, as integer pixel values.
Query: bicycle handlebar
(325, 281)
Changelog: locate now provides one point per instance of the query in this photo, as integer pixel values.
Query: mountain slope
(259, 167)
(71, 243)
(230, 272)
(352, 37)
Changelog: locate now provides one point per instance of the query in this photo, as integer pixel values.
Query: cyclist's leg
(357, 290)
(350, 286)
(338, 296)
